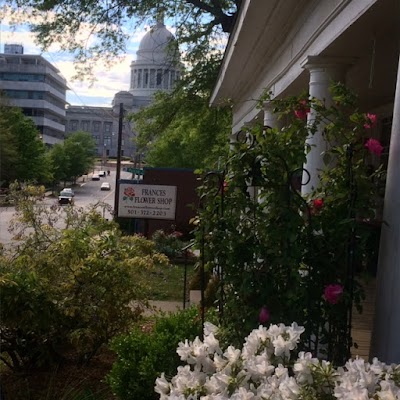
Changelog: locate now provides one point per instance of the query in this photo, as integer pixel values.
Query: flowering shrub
(278, 248)
(169, 244)
(265, 369)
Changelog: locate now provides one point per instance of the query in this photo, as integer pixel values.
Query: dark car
(65, 197)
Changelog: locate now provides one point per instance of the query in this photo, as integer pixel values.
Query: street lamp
(104, 154)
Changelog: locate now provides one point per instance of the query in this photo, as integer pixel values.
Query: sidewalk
(167, 306)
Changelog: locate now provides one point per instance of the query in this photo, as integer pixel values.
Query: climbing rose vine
(265, 369)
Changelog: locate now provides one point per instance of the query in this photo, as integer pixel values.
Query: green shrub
(66, 292)
(169, 244)
(142, 356)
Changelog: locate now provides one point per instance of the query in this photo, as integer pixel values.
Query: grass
(167, 283)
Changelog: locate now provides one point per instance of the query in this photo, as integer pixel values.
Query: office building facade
(33, 84)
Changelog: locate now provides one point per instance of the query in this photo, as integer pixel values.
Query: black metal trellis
(292, 189)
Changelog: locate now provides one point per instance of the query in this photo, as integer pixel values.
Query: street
(87, 192)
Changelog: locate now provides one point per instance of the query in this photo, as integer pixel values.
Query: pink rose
(318, 203)
(371, 121)
(302, 110)
(263, 317)
(333, 293)
(374, 146)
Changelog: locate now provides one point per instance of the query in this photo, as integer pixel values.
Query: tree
(80, 148)
(74, 157)
(179, 129)
(199, 23)
(201, 28)
(60, 163)
(23, 154)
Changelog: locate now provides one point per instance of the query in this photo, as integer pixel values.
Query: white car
(102, 173)
(95, 177)
(105, 186)
(69, 190)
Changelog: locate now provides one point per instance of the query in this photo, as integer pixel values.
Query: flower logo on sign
(129, 193)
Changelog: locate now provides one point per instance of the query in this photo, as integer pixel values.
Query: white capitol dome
(157, 66)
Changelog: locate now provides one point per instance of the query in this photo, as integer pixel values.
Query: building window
(10, 76)
(146, 78)
(172, 79)
(73, 125)
(85, 125)
(159, 79)
(107, 140)
(139, 85)
(96, 126)
(107, 127)
(166, 79)
(134, 78)
(107, 152)
(96, 138)
(152, 78)
(25, 94)
(122, 153)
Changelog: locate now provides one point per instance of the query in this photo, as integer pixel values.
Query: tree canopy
(74, 157)
(180, 130)
(198, 24)
(22, 152)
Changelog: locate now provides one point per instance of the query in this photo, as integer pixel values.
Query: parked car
(95, 177)
(102, 173)
(69, 190)
(65, 197)
(105, 186)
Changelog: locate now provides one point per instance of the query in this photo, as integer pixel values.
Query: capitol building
(157, 68)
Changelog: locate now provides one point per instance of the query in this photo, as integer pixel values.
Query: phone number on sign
(147, 213)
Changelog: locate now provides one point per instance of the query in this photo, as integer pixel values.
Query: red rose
(318, 204)
(264, 316)
(333, 293)
(302, 110)
(374, 146)
(371, 121)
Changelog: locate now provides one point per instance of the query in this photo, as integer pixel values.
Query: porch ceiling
(373, 38)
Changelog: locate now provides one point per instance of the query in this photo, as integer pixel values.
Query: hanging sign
(147, 201)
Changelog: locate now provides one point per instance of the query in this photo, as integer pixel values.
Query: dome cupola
(157, 66)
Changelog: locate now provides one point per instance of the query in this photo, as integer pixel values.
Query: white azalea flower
(162, 387)
(209, 328)
(243, 394)
(232, 354)
(212, 344)
(252, 373)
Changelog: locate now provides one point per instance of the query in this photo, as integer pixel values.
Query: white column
(269, 117)
(385, 343)
(322, 71)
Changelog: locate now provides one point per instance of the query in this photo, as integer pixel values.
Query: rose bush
(278, 248)
(264, 368)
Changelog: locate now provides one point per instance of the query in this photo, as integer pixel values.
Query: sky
(109, 80)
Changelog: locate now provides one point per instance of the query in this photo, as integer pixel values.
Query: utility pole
(118, 172)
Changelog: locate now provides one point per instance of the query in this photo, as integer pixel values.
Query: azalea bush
(170, 244)
(282, 256)
(268, 367)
